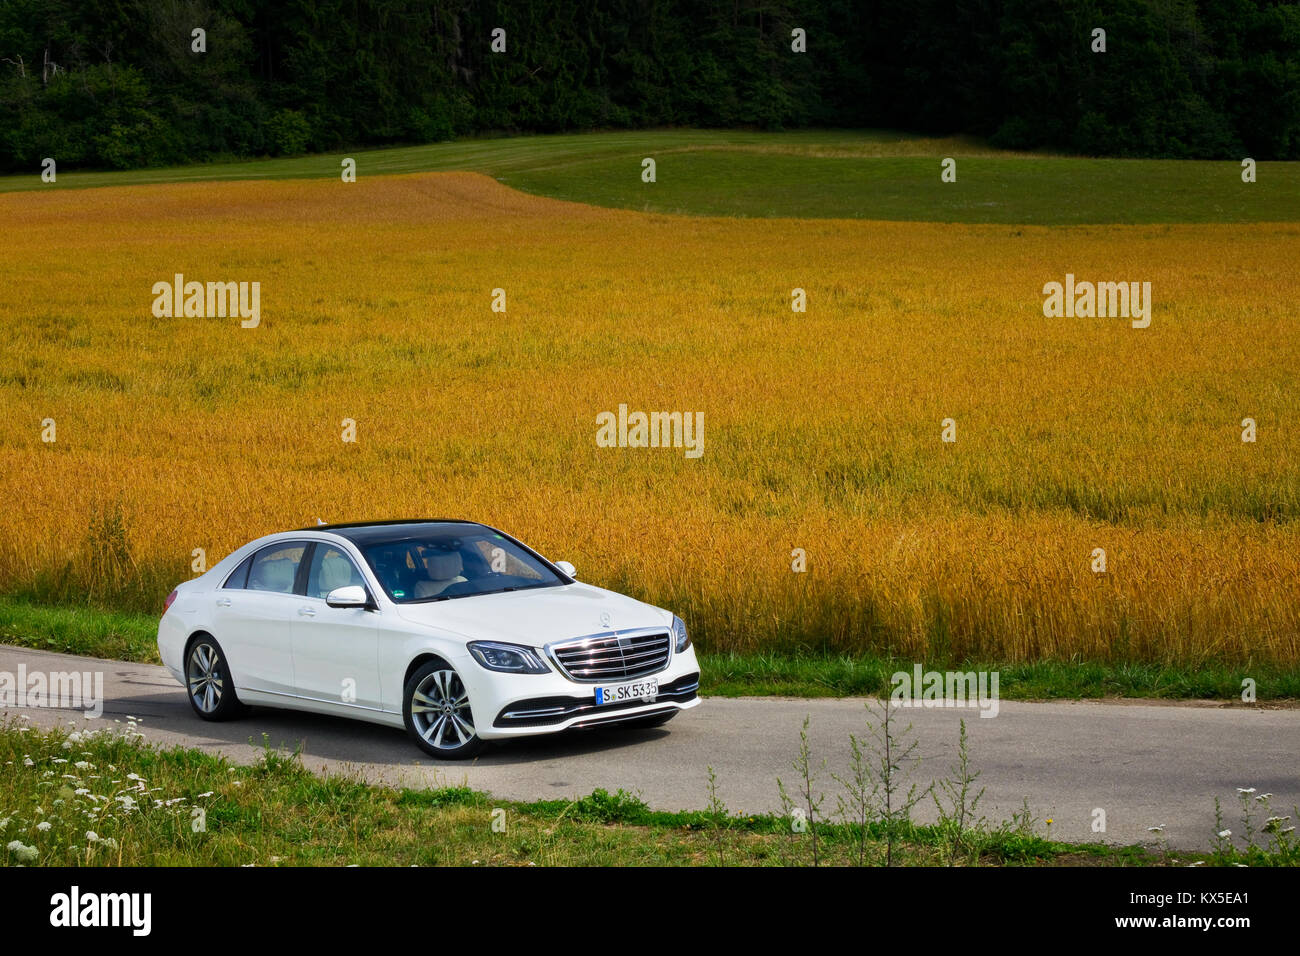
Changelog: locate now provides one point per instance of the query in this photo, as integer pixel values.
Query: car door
(335, 649)
(254, 615)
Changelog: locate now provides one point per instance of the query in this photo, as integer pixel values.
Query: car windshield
(441, 565)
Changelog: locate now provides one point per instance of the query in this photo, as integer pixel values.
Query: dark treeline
(115, 83)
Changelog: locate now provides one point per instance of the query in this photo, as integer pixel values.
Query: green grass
(815, 675)
(139, 801)
(88, 631)
(127, 636)
(807, 174)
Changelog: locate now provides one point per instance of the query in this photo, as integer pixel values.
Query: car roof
(368, 532)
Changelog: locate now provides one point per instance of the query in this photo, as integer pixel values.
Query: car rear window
(239, 577)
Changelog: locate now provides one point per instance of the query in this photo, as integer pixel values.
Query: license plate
(641, 690)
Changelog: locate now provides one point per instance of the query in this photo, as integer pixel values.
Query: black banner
(140, 907)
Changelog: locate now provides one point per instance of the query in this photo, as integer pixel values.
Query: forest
(120, 84)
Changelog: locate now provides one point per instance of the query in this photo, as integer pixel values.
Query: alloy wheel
(205, 678)
(440, 711)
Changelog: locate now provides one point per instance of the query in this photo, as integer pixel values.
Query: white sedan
(452, 629)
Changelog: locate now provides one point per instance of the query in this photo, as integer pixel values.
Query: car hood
(538, 616)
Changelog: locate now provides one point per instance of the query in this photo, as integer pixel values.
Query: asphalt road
(1144, 764)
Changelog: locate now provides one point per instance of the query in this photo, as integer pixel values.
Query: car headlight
(508, 658)
(679, 632)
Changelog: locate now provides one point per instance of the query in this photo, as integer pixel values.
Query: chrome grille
(615, 655)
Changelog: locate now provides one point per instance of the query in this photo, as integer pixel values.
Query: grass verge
(106, 798)
(127, 636)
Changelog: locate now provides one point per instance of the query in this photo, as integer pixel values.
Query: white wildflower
(24, 853)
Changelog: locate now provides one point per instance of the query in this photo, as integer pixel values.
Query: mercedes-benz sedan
(452, 629)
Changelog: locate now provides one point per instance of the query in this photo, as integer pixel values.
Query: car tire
(208, 684)
(437, 713)
(654, 720)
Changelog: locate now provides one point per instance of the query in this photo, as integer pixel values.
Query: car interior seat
(444, 569)
(335, 571)
(274, 575)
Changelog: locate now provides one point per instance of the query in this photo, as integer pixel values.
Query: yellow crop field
(822, 430)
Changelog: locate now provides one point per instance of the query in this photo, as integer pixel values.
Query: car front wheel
(437, 713)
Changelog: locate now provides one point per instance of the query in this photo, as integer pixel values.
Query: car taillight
(168, 603)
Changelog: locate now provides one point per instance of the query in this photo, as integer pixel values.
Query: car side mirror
(353, 595)
(567, 568)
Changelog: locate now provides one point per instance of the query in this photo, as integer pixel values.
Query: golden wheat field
(822, 429)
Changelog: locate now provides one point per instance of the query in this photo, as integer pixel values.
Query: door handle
(223, 602)
(307, 611)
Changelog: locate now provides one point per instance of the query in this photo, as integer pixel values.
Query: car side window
(331, 568)
(275, 568)
(239, 577)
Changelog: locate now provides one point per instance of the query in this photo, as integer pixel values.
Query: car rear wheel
(437, 713)
(207, 681)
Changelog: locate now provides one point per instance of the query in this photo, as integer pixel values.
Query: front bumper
(515, 705)
(582, 710)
